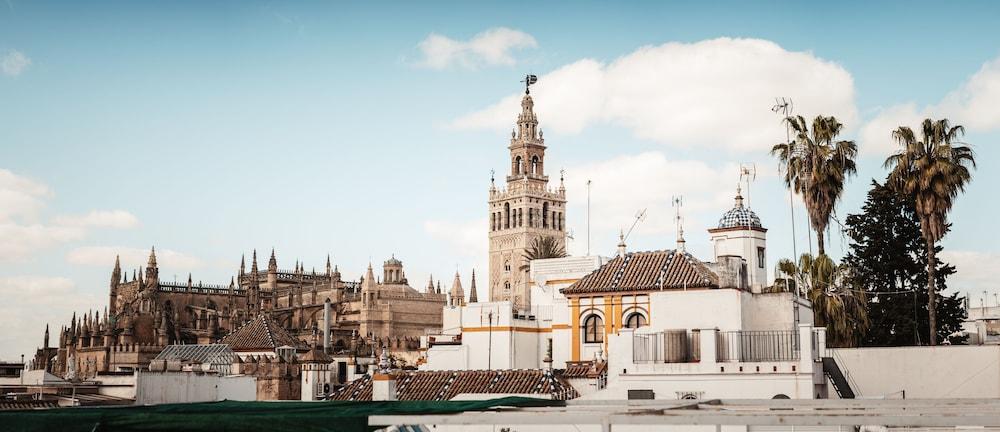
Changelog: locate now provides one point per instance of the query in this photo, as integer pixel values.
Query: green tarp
(241, 416)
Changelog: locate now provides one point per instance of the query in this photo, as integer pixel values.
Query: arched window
(593, 329)
(506, 212)
(635, 320)
(531, 217)
(518, 166)
(545, 215)
(534, 165)
(506, 268)
(506, 286)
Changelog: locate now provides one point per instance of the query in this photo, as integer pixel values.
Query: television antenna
(748, 173)
(783, 105)
(528, 81)
(639, 217)
(677, 202)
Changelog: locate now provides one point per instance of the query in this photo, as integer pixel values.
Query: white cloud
(711, 93)
(975, 272)
(20, 196)
(490, 48)
(100, 219)
(104, 256)
(31, 302)
(14, 62)
(620, 188)
(467, 239)
(467, 243)
(18, 241)
(22, 233)
(623, 186)
(973, 105)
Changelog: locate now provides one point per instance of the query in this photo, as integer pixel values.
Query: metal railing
(757, 346)
(670, 346)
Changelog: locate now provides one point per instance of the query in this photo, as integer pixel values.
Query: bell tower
(527, 209)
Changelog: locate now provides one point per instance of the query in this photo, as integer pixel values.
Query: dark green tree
(888, 257)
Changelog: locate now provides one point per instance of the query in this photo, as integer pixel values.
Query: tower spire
(457, 293)
(473, 298)
(152, 258)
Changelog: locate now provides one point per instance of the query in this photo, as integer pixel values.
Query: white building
(661, 324)
(982, 325)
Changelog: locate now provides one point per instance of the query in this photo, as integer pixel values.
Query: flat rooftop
(765, 412)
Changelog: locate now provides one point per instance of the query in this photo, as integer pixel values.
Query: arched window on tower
(593, 329)
(531, 217)
(518, 166)
(545, 215)
(506, 213)
(534, 166)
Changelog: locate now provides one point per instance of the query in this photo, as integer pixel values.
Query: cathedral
(526, 211)
(145, 314)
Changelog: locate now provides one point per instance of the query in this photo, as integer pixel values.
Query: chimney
(383, 387)
(621, 244)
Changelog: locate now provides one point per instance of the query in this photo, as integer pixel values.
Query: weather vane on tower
(528, 81)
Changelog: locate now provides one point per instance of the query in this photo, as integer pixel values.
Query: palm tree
(931, 170)
(817, 166)
(836, 304)
(541, 248)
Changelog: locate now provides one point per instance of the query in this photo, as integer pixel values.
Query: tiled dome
(740, 217)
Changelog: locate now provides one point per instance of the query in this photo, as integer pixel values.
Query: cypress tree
(889, 261)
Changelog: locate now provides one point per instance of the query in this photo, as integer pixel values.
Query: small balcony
(713, 351)
(670, 346)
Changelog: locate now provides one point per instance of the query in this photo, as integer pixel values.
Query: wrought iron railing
(757, 346)
(670, 346)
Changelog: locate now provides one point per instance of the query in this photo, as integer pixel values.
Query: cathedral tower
(523, 212)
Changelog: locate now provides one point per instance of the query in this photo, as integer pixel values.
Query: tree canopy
(888, 257)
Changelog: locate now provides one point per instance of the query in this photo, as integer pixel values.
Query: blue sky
(370, 129)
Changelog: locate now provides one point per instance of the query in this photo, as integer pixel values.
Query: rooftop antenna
(785, 107)
(528, 81)
(677, 202)
(747, 175)
(639, 217)
(588, 217)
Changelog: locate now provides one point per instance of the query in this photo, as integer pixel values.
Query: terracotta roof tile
(445, 385)
(259, 334)
(647, 271)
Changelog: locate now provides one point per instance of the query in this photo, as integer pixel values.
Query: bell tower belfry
(527, 209)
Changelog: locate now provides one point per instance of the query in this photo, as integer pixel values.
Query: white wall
(772, 311)
(955, 371)
(122, 386)
(184, 387)
(238, 388)
(707, 378)
(744, 243)
(715, 308)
